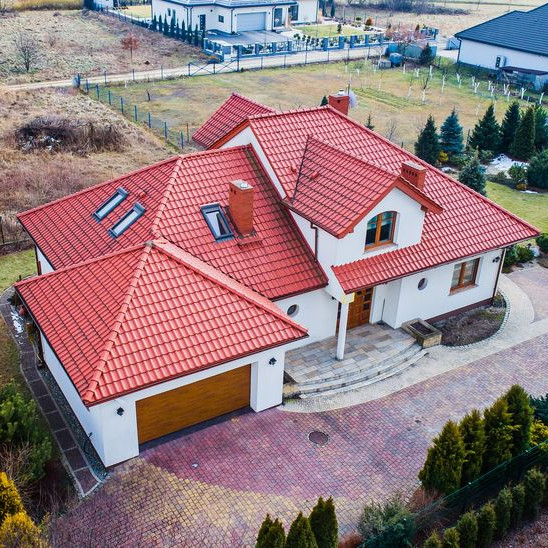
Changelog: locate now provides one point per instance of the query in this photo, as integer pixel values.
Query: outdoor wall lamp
(496, 259)
(272, 361)
(120, 411)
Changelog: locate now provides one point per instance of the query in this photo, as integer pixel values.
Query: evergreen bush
(509, 126)
(487, 522)
(518, 502)
(473, 176)
(451, 538)
(542, 242)
(426, 56)
(323, 522)
(433, 541)
(534, 484)
(519, 405)
(473, 435)
(369, 123)
(300, 534)
(537, 172)
(510, 257)
(524, 255)
(10, 501)
(467, 527)
(166, 26)
(541, 128)
(392, 520)
(503, 511)
(325, 101)
(523, 147)
(498, 434)
(427, 146)
(19, 531)
(518, 174)
(539, 432)
(486, 133)
(451, 136)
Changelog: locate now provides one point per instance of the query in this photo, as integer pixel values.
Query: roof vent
(240, 205)
(413, 173)
(340, 101)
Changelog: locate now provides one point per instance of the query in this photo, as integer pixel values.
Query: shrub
(10, 501)
(537, 173)
(522, 187)
(486, 156)
(459, 161)
(19, 425)
(500, 178)
(473, 435)
(443, 157)
(510, 257)
(503, 511)
(518, 501)
(369, 22)
(542, 242)
(487, 521)
(523, 146)
(443, 467)
(539, 432)
(520, 408)
(451, 538)
(271, 534)
(467, 527)
(534, 485)
(518, 174)
(473, 175)
(524, 254)
(18, 531)
(351, 540)
(498, 434)
(323, 523)
(300, 534)
(433, 541)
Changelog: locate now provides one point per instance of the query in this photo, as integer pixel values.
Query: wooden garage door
(170, 411)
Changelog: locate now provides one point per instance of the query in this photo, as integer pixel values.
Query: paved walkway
(76, 461)
(213, 486)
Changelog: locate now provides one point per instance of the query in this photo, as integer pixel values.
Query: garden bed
(474, 325)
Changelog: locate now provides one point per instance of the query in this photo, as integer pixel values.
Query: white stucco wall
(403, 301)
(45, 265)
(308, 11)
(485, 55)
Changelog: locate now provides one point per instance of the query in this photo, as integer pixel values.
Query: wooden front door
(360, 309)
(194, 403)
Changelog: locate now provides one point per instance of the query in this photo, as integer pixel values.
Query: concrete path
(212, 486)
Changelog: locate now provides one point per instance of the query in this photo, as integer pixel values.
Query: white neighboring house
(170, 295)
(515, 44)
(236, 16)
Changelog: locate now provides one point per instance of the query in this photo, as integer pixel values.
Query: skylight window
(217, 222)
(114, 201)
(127, 220)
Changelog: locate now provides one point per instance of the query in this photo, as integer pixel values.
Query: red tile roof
(278, 264)
(148, 314)
(335, 190)
(233, 111)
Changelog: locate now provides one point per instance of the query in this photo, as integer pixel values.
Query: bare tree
(130, 43)
(392, 129)
(27, 50)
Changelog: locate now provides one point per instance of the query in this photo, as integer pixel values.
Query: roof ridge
(98, 185)
(286, 112)
(246, 98)
(210, 272)
(501, 16)
(115, 330)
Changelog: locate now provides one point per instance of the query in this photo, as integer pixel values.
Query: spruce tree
(473, 175)
(537, 172)
(427, 146)
(369, 123)
(519, 407)
(473, 435)
(498, 435)
(451, 135)
(300, 534)
(486, 133)
(443, 467)
(323, 523)
(541, 128)
(509, 126)
(523, 146)
(325, 101)
(426, 56)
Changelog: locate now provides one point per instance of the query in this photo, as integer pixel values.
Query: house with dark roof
(514, 44)
(169, 296)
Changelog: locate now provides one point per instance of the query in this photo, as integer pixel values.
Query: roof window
(127, 220)
(217, 222)
(114, 201)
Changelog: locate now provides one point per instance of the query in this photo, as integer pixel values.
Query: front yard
(329, 29)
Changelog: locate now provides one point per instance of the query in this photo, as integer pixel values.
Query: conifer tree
(183, 31)
(487, 522)
(427, 146)
(451, 135)
(323, 523)
(541, 128)
(369, 123)
(473, 175)
(537, 173)
(426, 56)
(332, 13)
(509, 126)
(154, 25)
(503, 511)
(160, 24)
(189, 34)
(271, 534)
(443, 467)
(172, 25)
(433, 541)
(300, 534)
(10, 500)
(523, 146)
(325, 101)
(473, 435)
(166, 26)
(519, 407)
(498, 435)
(486, 133)
(451, 538)
(196, 36)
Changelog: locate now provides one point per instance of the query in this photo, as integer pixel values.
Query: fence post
(285, 59)
(97, 89)
(109, 97)
(161, 72)
(122, 104)
(165, 130)
(87, 86)
(187, 133)
(189, 69)
(182, 140)
(149, 121)
(135, 112)
(133, 70)
(105, 77)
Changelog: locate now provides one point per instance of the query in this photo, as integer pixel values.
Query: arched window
(380, 229)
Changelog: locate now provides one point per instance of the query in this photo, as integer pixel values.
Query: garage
(194, 403)
(251, 21)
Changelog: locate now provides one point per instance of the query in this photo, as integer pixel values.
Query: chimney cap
(241, 184)
(414, 165)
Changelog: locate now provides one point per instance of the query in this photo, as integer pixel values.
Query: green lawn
(15, 265)
(319, 31)
(531, 207)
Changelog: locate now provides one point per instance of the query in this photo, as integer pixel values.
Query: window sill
(461, 289)
(388, 246)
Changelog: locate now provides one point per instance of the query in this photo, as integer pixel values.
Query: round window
(292, 310)
(423, 282)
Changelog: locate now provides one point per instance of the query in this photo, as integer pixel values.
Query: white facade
(43, 265)
(485, 55)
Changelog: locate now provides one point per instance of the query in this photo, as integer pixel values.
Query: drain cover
(319, 438)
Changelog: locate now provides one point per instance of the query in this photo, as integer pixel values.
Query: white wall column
(341, 338)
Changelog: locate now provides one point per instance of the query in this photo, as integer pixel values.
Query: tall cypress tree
(451, 135)
(541, 128)
(323, 523)
(523, 146)
(183, 31)
(196, 36)
(427, 146)
(154, 25)
(519, 407)
(189, 33)
(369, 123)
(166, 26)
(271, 534)
(160, 24)
(473, 175)
(486, 133)
(325, 101)
(509, 126)
(498, 435)
(172, 25)
(300, 534)
(473, 435)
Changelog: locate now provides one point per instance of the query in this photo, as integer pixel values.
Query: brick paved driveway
(212, 487)
(534, 281)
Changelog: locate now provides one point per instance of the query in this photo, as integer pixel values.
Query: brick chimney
(413, 173)
(240, 206)
(340, 101)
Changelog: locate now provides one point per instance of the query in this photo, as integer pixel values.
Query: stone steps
(360, 377)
